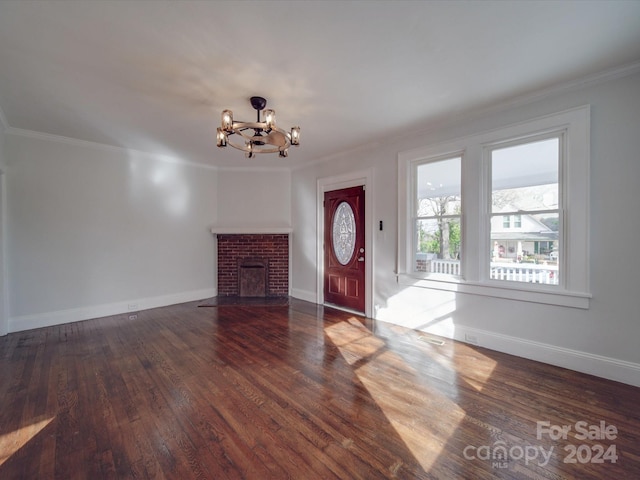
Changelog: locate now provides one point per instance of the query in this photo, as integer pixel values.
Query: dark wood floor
(298, 392)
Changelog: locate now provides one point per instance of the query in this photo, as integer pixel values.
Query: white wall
(254, 197)
(2, 136)
(95, 231)
(4, 313)
(602, 340)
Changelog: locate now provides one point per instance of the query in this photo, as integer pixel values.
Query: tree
(445, 240)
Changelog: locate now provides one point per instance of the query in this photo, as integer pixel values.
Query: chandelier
(259, 136)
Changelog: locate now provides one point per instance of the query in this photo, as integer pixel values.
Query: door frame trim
(338, 182)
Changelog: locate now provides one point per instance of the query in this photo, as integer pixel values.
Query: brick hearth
(233, 249)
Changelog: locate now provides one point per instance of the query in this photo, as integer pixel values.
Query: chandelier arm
(269, 148)
(240, 127)
(256, 148)
(248, 125)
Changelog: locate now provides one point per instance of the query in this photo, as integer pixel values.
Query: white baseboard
(304, 295)
(600, 366)
(605, 367)
(28, 322)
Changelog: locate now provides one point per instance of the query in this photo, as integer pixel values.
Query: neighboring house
(515, 239)
(522, 238)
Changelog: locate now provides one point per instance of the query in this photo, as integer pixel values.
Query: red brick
(274, 248)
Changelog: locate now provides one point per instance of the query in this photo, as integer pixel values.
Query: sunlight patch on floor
(11, 442)
(358, 342)
(434, 315)
(405, 407)
(481, 373)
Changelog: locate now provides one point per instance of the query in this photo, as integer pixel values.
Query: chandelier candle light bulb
(227, 120)
(295, 136)
(270, 118)
(221, 137)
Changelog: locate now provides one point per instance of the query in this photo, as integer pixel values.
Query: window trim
(476, 185)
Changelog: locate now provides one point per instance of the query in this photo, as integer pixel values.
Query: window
(517, 221)
(437, 210)
(524, 182)
(524, 233)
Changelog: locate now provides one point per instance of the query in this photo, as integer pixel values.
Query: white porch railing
(525, 272)
(514, 272)
(449, 267)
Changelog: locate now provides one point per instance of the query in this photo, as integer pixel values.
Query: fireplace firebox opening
(252, 276)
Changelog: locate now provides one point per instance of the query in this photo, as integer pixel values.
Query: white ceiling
(154, 75)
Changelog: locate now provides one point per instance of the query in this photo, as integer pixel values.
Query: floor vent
(431, 340)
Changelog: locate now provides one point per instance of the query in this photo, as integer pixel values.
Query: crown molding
(104, 147)
(358, 149)
(568, 86)
(585, 81)
(449, 120)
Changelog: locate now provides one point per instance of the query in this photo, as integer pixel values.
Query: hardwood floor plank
(291, 391)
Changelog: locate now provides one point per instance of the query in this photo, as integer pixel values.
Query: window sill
(498, 290)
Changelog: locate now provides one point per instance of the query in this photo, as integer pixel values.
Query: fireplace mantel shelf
(249, 230)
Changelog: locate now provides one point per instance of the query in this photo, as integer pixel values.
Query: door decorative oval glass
(343, 233)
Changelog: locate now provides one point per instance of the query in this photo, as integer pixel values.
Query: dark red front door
(344, 255)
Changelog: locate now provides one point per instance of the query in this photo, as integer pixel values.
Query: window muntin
(437, 210)
(525, 194)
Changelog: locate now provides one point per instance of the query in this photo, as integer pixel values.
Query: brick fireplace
(253, 265)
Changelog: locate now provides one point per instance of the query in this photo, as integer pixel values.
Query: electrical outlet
(132, 306)
(133, 317)
(471, 338)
